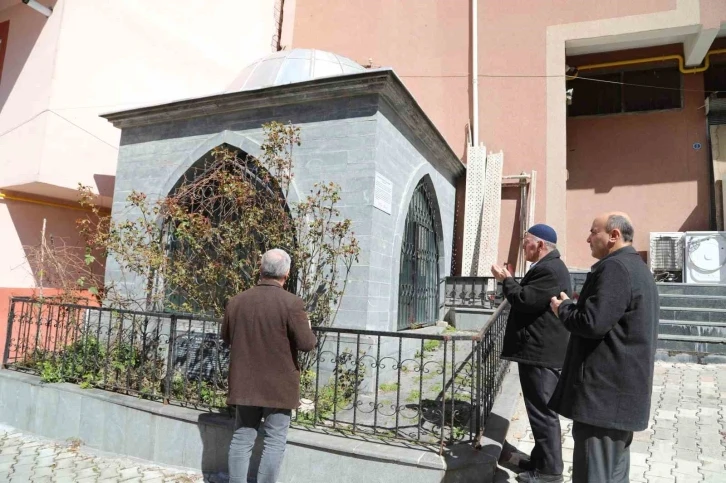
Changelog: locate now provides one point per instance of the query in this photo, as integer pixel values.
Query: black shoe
(526, 465)
(535, 476)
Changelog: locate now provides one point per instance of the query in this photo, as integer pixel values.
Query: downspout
(474, 74)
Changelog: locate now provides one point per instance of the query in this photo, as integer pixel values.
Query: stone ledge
(206, 437)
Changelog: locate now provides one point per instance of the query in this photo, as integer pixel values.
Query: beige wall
(718, 153)
(96, 56)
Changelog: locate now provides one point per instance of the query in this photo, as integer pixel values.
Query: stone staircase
(692, 321)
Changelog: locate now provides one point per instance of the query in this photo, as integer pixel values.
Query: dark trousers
(538, 384)
(601, 455)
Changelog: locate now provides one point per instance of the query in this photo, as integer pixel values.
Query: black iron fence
(431, 389)
(486, 292)
(480, 292)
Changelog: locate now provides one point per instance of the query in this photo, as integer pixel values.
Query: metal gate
(418, 288)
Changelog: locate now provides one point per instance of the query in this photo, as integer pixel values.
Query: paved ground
(685, 441)
(25, 458)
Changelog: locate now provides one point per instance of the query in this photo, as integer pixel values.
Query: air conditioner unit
(666, 255)
(705, 257)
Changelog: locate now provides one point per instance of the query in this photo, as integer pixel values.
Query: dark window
(651, 90)
(598, 96)
(714, 80)
(625, 91)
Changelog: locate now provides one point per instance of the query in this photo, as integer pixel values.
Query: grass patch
(389, 387)
(413, 396)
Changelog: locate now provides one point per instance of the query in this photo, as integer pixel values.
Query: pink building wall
(427, 44)
(641, 163)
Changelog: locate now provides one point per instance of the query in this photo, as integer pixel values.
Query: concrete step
(692, 328)
(693, 301)
(666, 355)
(692, 344)
(692, 314)
(691, 289)
(467, 318)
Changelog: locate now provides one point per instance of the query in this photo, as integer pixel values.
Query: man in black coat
(537, 341)
(607, 378)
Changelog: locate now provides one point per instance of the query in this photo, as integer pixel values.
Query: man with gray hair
(536, 340)
(265, 327)
(607, 378)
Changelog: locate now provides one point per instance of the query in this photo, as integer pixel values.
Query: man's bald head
(618, 220)
(610, 232)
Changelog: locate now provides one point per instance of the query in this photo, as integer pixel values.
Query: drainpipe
(474, 75)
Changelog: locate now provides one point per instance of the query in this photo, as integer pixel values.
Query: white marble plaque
(383, 194)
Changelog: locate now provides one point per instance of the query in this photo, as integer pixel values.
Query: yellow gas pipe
(4, 196)
(661, 58)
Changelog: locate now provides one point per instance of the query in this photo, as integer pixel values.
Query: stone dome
(288, 66)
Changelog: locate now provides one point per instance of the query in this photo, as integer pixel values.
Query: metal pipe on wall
(660, 58)
(474, 74)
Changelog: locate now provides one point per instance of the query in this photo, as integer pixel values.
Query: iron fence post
(11, 318)
(170, 360)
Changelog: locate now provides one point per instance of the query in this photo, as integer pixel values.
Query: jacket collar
(626, 250)
(550, 256)
(553, 254)
(268, 284)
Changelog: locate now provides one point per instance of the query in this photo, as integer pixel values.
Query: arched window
(246, 214)
(418, 289)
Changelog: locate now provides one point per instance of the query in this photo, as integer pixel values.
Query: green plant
(337, 394)
(428, 346)
(431, 345)
(458, 432)
(206, 392)
(414, 396)
(201, 244)
(388, 387)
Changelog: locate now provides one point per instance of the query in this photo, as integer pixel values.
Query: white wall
(97, 56)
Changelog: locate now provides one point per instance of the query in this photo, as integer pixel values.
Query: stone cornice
(383, 82)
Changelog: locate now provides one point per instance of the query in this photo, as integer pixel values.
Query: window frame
(621, 72)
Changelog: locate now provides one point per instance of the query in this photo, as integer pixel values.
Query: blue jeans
(247, 422)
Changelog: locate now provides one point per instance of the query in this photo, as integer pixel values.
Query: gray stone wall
(345, 141)
(184, 437)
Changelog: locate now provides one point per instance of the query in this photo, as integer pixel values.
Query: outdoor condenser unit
(705, 253)
(666, 256)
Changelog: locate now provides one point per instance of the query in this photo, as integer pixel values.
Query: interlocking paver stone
(686, 437)
(25, 458)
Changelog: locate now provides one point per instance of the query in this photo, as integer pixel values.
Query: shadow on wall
(511, 195)
(216, 434)
(27, 219)
(25, 27)
(298, 114)
(637, 149)
(105, 184)
(629, 150)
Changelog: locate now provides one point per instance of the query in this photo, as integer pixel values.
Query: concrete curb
(498, 424)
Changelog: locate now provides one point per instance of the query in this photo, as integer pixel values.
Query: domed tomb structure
(360, 128)
(289, 66)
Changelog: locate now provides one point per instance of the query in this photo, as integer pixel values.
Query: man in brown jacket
(265, 326)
